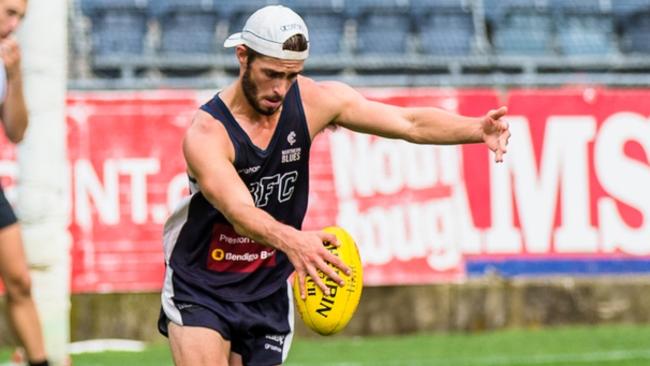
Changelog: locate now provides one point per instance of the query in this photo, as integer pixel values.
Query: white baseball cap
(268, 28)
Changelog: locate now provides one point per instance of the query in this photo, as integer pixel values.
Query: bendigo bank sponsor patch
(231, 252)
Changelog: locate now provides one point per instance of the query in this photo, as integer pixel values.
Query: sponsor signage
(572, 196)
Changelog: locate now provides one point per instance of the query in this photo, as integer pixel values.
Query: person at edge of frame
(14, 270)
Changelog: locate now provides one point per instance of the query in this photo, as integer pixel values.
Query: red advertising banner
(128, 174)
(570, 198)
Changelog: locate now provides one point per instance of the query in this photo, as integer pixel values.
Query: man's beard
(250, 91)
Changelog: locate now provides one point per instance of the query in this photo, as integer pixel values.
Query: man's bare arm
(422, 125)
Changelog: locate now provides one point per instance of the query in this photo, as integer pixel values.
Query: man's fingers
(332, 274)
(338, 263)
(329, 238)
(329, 271)
(503, 141)
(302, 285)
(318, 281)
(502, 148)
(495, 114)
(331, 258)
(503, 125)
(498, 156)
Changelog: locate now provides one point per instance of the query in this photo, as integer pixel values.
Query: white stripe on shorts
(289, 337)
(167, 298)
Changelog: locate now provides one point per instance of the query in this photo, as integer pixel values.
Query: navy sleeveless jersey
(206, 259)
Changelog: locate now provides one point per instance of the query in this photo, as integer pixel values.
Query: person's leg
(235, 359)
(20, 304)
(197, 346)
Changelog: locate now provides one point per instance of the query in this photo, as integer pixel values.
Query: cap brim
(234, 40)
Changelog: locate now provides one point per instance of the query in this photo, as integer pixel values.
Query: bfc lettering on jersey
(278, 186)
(231, 252)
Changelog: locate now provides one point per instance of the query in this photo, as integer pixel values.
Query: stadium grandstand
(177, 43)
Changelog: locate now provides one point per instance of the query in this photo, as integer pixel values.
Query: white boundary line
(103, 345)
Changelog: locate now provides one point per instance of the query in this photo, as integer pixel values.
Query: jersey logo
(291, 138)
(291, 155)
(249, 170)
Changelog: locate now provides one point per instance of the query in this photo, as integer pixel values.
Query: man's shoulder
(326, 92)
(205, 123)
(322, 86)
(206, 134)
(202, 117)
(323, 101)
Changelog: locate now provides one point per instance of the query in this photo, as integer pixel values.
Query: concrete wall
(493, 303)
(477, 305)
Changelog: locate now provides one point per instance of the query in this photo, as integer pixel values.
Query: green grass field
(593, 346)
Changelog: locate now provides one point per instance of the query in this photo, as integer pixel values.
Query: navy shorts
(7, 216)
(260, 331)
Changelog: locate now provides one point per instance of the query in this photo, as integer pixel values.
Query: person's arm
(210, 155)
(421, 125)
(14, 112)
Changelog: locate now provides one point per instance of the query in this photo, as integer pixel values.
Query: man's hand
(496, 132)
(309, 256)
(10, 54)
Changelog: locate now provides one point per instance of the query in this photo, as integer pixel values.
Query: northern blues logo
(293, 154)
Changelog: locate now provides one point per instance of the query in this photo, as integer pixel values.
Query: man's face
(267, 80)
(11, 14)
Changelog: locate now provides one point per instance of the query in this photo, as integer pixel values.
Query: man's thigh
(197, 346)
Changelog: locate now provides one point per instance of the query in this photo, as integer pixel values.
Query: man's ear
(242, 55)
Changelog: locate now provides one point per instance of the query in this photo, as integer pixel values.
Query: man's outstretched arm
(421, 125)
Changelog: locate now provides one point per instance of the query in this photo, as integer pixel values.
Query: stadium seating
(383, 26)
(494, 9)
(583, 27)
(585, 34)
(233, 14)
(237, 7)
(636, 33)
(522, 28)
(383, 34)
(444, 27)
(187, 26)
(631, 17)
(624, 8)
(326, 21)
(577, 6)
(375, 36)
(117, 26)
(326, 33)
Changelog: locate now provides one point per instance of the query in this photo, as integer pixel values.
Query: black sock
(40, 363)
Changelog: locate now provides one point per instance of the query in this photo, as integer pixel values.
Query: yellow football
(327, 315)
